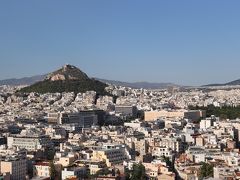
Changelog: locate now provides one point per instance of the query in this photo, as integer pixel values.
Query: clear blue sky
(181, 41)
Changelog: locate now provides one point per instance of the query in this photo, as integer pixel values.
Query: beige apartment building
(155, 115)
(109, 156)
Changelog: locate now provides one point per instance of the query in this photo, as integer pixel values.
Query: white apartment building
(162, 151)
(30, 143)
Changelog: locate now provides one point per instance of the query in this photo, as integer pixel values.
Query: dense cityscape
(119, 90)
(126, 134)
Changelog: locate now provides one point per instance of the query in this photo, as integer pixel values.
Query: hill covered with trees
(67, 79)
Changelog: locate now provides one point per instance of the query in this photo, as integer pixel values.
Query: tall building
(15, 165)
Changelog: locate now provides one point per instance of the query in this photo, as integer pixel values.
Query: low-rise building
(74, 172)
(42, 169)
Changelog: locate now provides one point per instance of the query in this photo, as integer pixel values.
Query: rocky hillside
(67, 79)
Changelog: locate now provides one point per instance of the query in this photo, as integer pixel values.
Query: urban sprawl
(128, 134)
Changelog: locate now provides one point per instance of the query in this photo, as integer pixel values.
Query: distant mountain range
(31, 80)
(138, 85)
(232, 83)
(145, 85)
(22, 81)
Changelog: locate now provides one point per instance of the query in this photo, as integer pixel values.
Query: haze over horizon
(182, 42)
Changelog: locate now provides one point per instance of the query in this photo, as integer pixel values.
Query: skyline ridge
(161, 41)
(36, 78)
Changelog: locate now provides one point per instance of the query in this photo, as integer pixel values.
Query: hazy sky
(181, 41)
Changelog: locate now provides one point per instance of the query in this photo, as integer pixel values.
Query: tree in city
(52, 170)
(49, 153)
(225, 112)
(118, 173)
(138, 172)
(206, 171)
(103, 172)
(168, 162)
